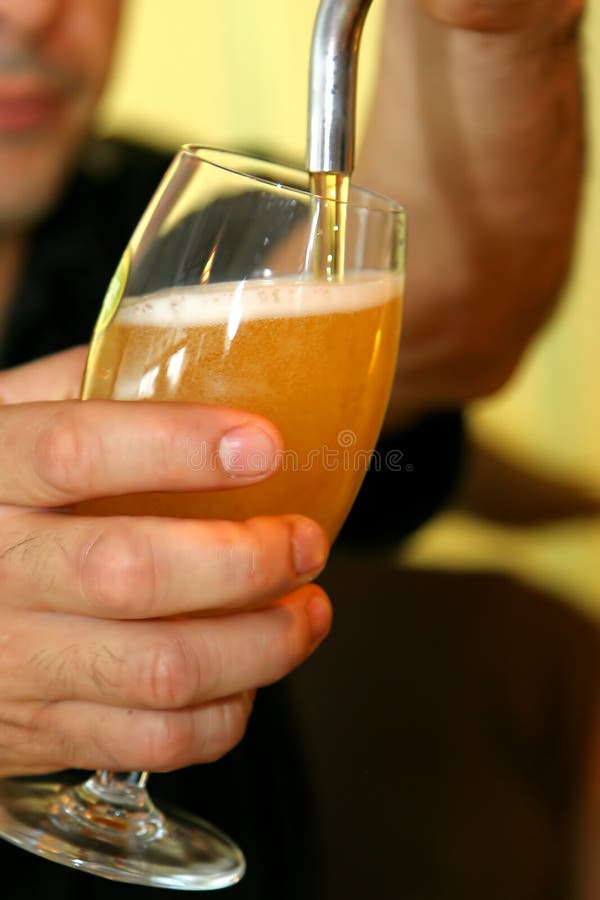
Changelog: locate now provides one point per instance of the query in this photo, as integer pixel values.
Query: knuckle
(249, 555)
(119, 573)
(238, 548)
(172, 742)
(186, 738)
(172, 676)
(250, 552)
(229, 720)
(63, 456)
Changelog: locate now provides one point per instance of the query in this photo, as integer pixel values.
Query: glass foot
(115, 831)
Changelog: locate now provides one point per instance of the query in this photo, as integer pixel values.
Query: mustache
(22, 61)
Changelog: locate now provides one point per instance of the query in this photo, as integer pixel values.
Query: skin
(100, 622)
(477, 129)
(97, 619)
(107, 660)
(504, 490)
(55, 56)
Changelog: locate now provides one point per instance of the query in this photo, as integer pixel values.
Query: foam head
(218, 304)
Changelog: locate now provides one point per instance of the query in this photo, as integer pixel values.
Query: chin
(32, 178)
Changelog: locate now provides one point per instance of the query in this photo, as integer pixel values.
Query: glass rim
(387, 206)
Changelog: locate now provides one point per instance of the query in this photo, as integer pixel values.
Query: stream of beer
(332, 189)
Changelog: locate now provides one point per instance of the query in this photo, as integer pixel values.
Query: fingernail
(318, 611)
(247, 452)
(309, 546)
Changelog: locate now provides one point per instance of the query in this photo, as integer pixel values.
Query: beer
(331, 190)
(314, 357)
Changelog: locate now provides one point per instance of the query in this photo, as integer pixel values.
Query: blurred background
(234, 74)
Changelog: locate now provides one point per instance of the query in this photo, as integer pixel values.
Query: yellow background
(228, 73)
(234, 73)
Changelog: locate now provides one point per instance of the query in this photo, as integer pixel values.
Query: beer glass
(222, 297)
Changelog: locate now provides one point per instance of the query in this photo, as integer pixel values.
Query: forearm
(479, 134)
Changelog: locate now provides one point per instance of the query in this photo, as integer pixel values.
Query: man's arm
(477, 129)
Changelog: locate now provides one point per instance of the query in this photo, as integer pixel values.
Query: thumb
(56, 377)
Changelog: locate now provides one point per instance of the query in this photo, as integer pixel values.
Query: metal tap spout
(332, 89)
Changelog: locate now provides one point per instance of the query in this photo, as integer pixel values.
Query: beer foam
(218, 304)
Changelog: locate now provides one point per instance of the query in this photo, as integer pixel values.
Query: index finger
(55, 454)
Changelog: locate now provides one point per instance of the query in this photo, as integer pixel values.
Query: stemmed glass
(222, 297)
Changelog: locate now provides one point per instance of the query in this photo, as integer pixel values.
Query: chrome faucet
(332, 89)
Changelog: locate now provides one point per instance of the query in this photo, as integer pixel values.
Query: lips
(26, 108)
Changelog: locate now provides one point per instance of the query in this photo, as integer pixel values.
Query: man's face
(54, 59)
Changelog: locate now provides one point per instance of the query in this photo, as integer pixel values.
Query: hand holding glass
(219, 299)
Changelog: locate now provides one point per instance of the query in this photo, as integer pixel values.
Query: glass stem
(135, 779)
(112, 806)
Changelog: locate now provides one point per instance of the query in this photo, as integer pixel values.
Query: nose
(29, 18)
